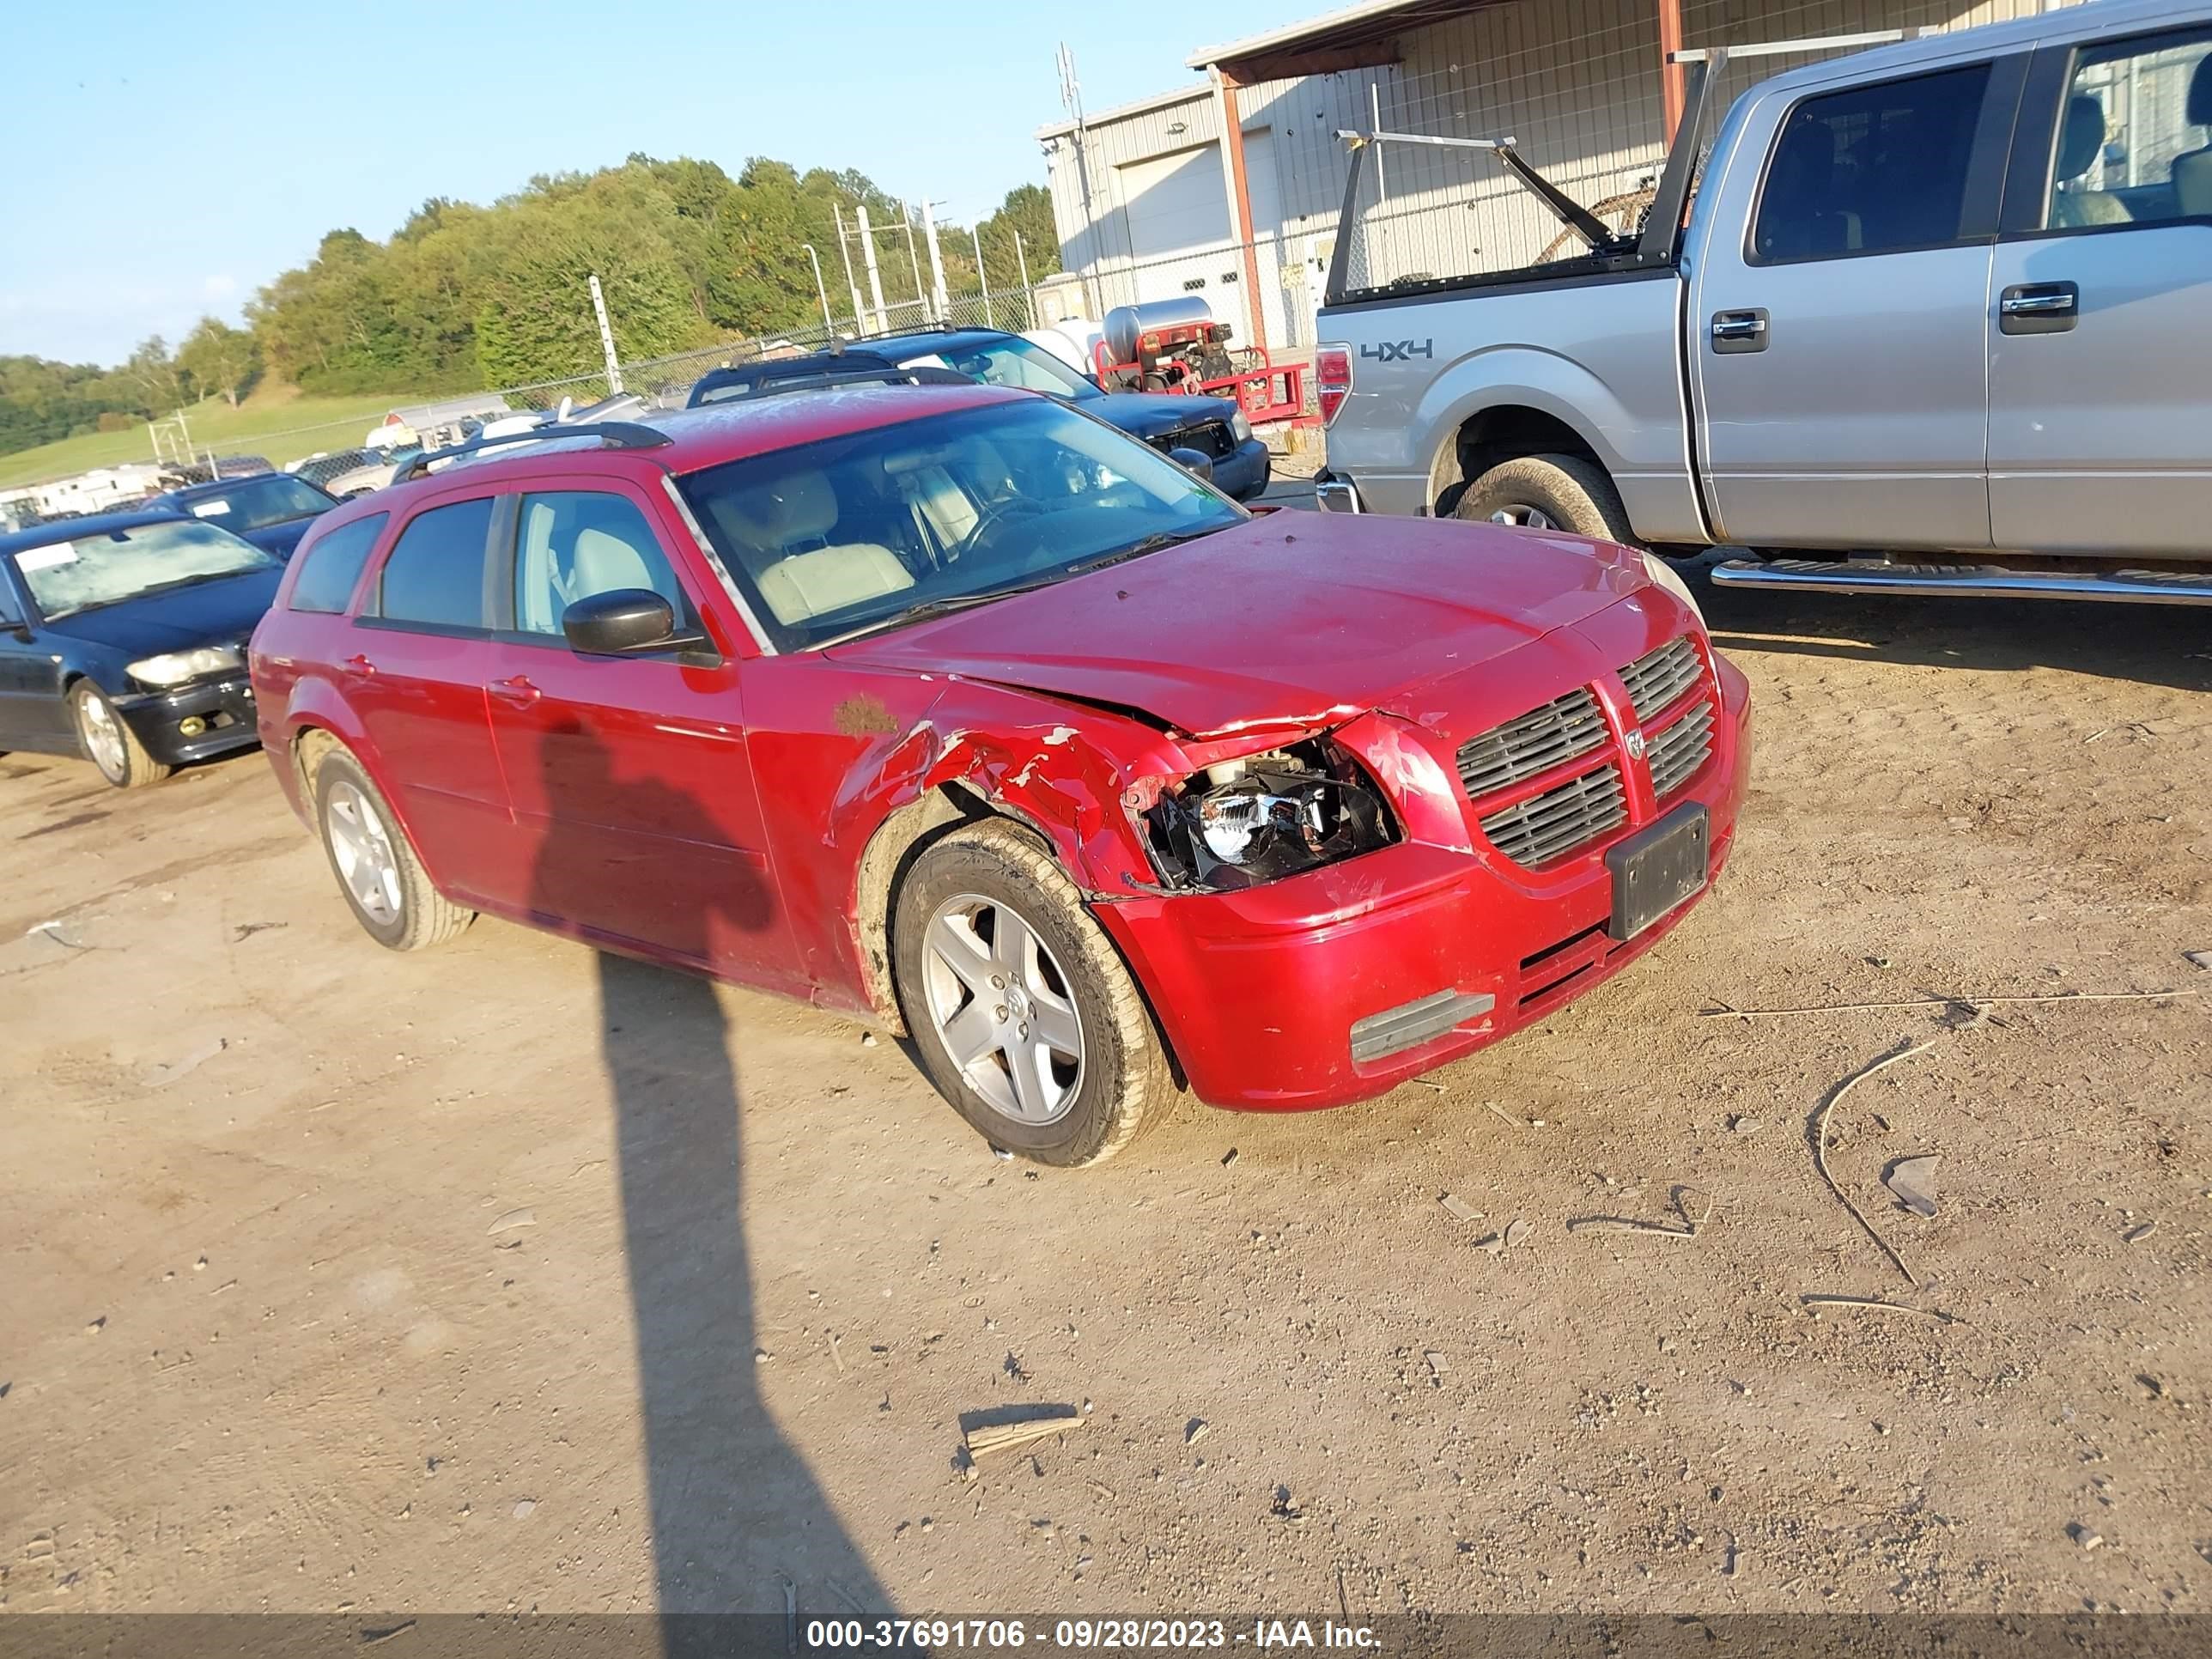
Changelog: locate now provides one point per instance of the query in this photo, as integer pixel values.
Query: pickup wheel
(1549, 492)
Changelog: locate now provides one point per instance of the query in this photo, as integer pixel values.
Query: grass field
(277, 422)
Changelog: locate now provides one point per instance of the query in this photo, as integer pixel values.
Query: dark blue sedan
(1214, 427)
(123, 640)
(272, 510)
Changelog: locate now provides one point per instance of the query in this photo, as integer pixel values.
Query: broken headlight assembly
(1264, 817)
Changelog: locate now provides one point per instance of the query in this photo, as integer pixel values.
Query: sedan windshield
(1012, 361)
(252, 503)
(855, 532)
(67, 577)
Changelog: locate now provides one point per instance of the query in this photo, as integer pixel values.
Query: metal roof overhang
(1358, 37)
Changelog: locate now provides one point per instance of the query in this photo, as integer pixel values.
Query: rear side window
(1871, 169)
(331, 565)
(434, 573)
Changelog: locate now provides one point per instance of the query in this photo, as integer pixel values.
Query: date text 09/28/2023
(1085, 1633)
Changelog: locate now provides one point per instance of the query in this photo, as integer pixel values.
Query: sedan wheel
(1021, 1011)
(362, 852)
(999, 1002)
(109, 742)
(383, 881)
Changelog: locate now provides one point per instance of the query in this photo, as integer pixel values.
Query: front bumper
(222, 707)
(1243, 474)
(1271, 997)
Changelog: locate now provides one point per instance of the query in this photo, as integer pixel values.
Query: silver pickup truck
(1939, 317)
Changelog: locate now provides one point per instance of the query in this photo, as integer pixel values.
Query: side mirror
(1192, 461)
(623, 622)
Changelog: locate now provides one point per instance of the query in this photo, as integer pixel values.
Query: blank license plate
(1655, 871)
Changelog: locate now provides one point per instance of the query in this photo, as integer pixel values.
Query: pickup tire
(1549, 492)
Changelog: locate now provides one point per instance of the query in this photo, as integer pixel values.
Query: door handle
(2039, 307)
(517, 690)
(358, 666)
(1740, 330)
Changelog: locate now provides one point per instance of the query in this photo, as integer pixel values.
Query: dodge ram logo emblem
(1635, 744)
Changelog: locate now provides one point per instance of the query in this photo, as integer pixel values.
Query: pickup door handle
(359, 666)
(2039, 308)
(1740, 330)
(517, 690)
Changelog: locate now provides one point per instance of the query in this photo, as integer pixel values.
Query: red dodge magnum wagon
(955, 708)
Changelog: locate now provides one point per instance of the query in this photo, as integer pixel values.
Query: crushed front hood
(1296, 619)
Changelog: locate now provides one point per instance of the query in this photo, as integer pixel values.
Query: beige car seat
(600, 563)
(2079, 143)
(772, 525)
(2192, 171)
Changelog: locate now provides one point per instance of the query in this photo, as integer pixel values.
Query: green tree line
(463, 296)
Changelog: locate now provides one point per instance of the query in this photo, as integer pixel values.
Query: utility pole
(875, 280)
(990, 320)
(937, 297)
(906, 217)
(828, 323)
(606, 339)
(844, 252)
(1070, 98)
(1022, 263)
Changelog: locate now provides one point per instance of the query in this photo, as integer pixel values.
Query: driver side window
(571, 545)
(2135, 134)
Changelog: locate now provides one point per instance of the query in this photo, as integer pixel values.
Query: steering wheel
(1003, 511)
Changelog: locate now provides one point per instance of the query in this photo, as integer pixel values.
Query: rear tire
(384, 883)
(109, 742)
(1555, 492)
(993, 950)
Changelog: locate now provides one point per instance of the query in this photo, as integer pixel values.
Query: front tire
(1549, 492)
(1023, 1013)
(109, 742)
(384, 883)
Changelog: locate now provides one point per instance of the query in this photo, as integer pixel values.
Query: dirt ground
(507, 1277)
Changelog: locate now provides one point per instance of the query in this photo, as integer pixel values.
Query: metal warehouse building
(1150, 204)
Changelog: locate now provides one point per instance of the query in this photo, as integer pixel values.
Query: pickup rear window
(1871, 169)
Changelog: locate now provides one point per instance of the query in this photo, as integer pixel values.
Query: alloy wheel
(1000, 1003)
(103, 736)
(1526, 517)
(361, 849)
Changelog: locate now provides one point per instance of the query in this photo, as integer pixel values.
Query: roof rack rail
(612, 434)
(831, 378)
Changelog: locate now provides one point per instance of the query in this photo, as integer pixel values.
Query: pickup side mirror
(625, 622)
(1193, 461)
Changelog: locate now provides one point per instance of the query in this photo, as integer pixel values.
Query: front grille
(1209, 438)
(1546, 826)
(1543, 738)
(1655, 680)
(1677, 753)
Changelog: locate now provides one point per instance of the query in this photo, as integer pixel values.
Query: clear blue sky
(164, 162)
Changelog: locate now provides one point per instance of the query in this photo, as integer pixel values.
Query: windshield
(1012, 361)
(67, 577)
(251, 503)
(829, 539)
